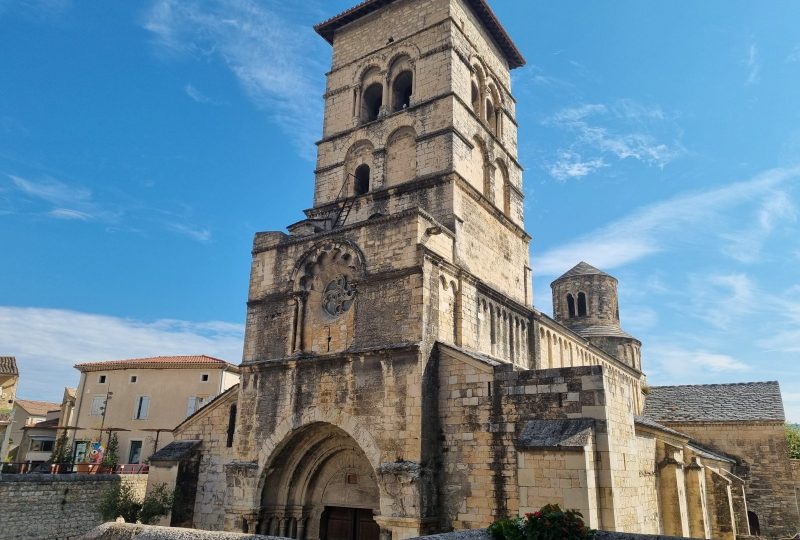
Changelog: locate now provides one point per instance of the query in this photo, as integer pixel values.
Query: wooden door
(340, 523)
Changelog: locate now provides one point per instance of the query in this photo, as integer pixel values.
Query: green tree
(120, 500)
(793, 439)
(61, 452)
(111, 457)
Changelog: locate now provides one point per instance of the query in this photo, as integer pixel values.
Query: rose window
(338, 296)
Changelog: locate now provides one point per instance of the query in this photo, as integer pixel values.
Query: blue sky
(143, 143)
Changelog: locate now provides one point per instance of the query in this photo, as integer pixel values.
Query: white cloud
(753, 65)
(275, 61)
(571, 165)
(653, 228)
(676, 365)
(48, 342)
(52, 191)
(631, 137)
(197, 95)
(69, 214)
(201, 235)
(745, 245)
(723, 299)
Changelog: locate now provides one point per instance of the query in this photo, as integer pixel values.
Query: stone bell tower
(415, 239)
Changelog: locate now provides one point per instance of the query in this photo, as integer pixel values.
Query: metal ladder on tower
(347, 205)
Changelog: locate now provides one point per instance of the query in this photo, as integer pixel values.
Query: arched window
(476, 99)
(571, 306)
(362, 179)
(231, 425)
(581, 305)
(402, 88)
(490, 116)
(371, 102)
(752, 520)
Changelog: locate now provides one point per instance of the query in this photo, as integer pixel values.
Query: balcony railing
(71, 468)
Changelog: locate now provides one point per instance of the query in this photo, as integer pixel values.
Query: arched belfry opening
(371, 102)
(362, 179)
(402, 89)
(319, 485)
(571, 306)
(581, 304)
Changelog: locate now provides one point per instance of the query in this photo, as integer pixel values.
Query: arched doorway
(320, 486)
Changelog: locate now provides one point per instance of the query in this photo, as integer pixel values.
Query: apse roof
(583, 269)
(328, 28)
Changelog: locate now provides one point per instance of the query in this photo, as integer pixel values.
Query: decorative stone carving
(338, 296)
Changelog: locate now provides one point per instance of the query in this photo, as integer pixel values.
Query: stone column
(696, 500)
(720, 506)
(672, 492)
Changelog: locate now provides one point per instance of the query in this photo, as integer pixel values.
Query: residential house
(25, 413)
(141, 401)
(39, 439)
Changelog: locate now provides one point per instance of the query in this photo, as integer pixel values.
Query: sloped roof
(565, 434)
(583, 269)
(8, 365)
(649, 422)
(44, 424)
(328, 28)
(175, 451)
(37, 408)
(751, 401)
(163, 362)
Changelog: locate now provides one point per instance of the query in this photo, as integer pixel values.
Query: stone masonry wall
(765, 467)
(211, 428)
(55, 507)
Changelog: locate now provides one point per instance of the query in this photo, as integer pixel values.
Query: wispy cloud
(653, 228)
(274, 60)
(48, 342)
(35, 9)
(56, 199)
(621, 131)
(745, 245)
(753, 64)
(197, 95)
(685, 366)
(794, 56)
(572, 165)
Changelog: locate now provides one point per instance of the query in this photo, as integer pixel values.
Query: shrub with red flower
(549, 523)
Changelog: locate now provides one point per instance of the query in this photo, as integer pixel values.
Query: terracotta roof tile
(163, 362)
(37, 408)
(8, 365)
(328, 28)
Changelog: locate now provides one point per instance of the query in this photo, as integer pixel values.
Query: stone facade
(394, 366)
(57, 507)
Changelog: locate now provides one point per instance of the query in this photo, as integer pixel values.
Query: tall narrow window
(142, 408)
(490, 116)
(371, 102)
(98, 404)
(401, 91)
(362, 179)
(581, 305)
(571, 306)
(476, 99)
(231, 425)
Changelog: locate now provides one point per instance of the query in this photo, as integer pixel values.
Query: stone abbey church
(396, 378)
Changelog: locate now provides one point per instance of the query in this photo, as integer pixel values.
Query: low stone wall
(126, 531)
(55, 506)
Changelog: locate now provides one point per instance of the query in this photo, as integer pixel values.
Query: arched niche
(401, 82)
(356, 176)
(401, 156)
(324, 287)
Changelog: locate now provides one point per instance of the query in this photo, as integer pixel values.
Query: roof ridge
(716, 384)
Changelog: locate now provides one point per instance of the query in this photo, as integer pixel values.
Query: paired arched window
(371, 102)
(362, 179)
(570, 306)
(476, 99)
(581, 305)
(402, 89)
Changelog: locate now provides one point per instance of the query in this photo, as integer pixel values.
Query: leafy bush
(549, 523)
(120, 500)
(111, 456)
(793, 440)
